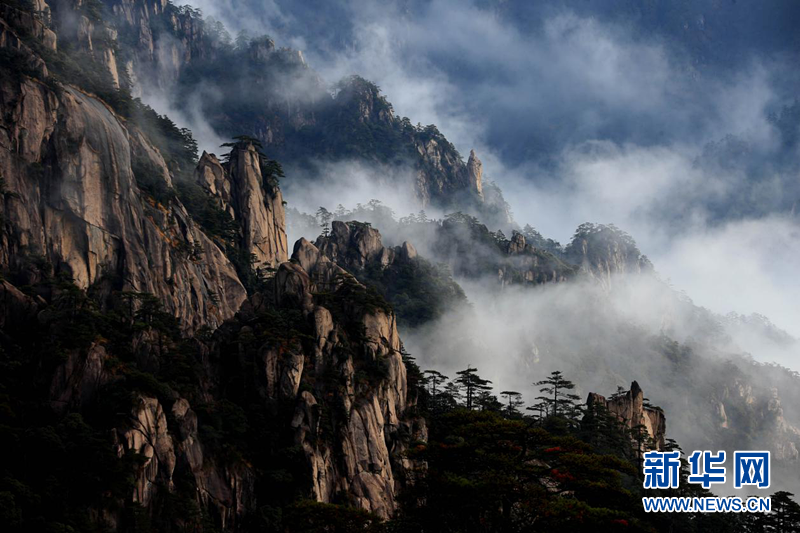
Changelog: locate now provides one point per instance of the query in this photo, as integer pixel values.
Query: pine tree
(324, 217)
(558, 400)
(513, 403)
(540, 408)
(451, 396)
(486, 401)
(471, 384)
(435, 381)
(785, 515)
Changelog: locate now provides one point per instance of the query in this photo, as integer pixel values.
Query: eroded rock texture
(630, 410)
(71, 200)
(244, 191)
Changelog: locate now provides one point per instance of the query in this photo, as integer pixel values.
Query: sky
(658, 117)
(591, 111)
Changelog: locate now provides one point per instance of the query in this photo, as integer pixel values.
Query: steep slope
(250, 195)
(174, 52)
(71, 207)
(123, 321)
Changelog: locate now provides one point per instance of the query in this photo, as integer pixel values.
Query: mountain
(115, 273)
(166, 364)
(297, 118)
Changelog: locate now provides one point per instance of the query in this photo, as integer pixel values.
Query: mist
(611, 132)
(657, 122)
(685, 358)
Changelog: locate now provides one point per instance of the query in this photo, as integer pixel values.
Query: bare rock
(475, 173)
(146, 434)
(629, 408)
(259, 209)
(68, 163)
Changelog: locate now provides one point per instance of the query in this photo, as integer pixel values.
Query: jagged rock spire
(475, 173)
(631, 412)
(255, 205)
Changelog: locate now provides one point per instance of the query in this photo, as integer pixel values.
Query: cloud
(746, 266)
(254, 18)
(623, 113)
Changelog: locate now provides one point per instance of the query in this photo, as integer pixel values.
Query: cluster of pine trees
(491, 464)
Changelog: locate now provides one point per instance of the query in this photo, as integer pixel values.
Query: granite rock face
(246, 193)
(72, 199)
(354, 246)
(630, 410)
(72, 207)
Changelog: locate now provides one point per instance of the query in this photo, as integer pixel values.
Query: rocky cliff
(355, 246)
(251, 197)
(629, 408)
(140, 328)
(174, 52)
(71, 207)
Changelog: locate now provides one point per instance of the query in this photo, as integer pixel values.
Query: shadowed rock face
(355, 246)
(71, 199)
(369, 437)
(629, 408)
(256, 206)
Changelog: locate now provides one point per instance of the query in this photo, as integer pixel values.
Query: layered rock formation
(354, 246)
(71, 200)
(630, 410)
(245, 192)
(604, 251)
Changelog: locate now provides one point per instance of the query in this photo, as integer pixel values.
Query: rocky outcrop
(604, 251)
(528, 265)
(259, 208)
(71, 198)
(630, 410)
(245, 192)
(355, 245)
(442, 177)
(475, 173)
(350, 393)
